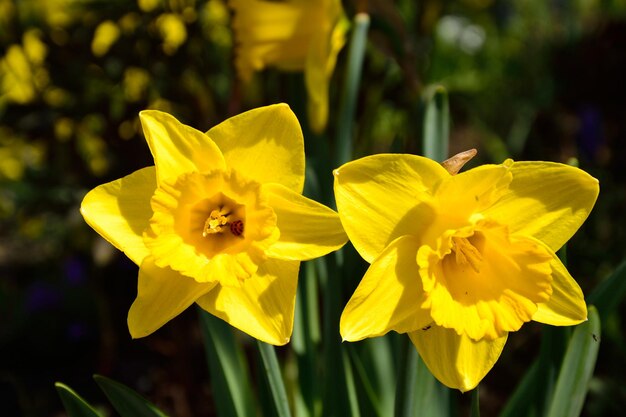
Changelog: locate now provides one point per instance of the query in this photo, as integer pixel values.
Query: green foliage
(74, 404)
(126, 401)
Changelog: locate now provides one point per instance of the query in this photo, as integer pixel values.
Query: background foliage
(528, 80)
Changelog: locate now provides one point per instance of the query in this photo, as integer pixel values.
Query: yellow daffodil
(219, 220)
(292, 35)
(459, 261)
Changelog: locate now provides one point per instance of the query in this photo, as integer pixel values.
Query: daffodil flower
(292, 35)
(459, 261)
(219, 221)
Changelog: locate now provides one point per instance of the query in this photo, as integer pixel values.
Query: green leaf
(577, 368)
(407, 376)
(126, 401)
(610, 292)
(274, 379)
(436, 129)
(524, 394)
(227, 367)
(74, 404)
(431, 397)
(350, 92)
(475, 407)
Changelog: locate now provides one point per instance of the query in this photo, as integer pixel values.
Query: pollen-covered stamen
(216, 222)
(466, 253)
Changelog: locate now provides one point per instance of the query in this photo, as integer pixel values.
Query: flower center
(220, 220)
(211, 227)
(215, 223)
(466, 253)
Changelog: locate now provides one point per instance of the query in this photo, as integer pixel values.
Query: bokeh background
(532, 80)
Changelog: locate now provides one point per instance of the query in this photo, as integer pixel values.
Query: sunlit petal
(457, 361)
(383, 197)
(484, 284)
(178, 148)
(263, 306)
(307, 228)
(120, 211)
(264, 144)
(546, 200)
(388, 297)
(162, 294)
(566, 306)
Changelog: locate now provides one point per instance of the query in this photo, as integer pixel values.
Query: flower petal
(546, 200)
(162, 294)
(308, 229)
(457, 361)
(382, 197)
(265, 145)
(178, 148)
(271, 33)
(120, 210)
(388, 297)
(320, 63)
(177, 235)
(482, 283)
(566, 306)
(263, 306)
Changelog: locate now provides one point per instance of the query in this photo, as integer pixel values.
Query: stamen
(466, 253)
(216, 223)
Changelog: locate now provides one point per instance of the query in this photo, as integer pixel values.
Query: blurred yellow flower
(106, 34)
(219, 220)
(172, 30)
(292, 35)
(22, 69)
(148, 5)
(459, 261)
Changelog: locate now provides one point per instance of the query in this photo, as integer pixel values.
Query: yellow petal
(308, 229)
(178, 238)
(482, 283)
(120, 211)
(271, 33)
(472, 191)
(388, 297)
(566, 306)
(263, 306)
(265, 145)
(383, 197)
(162, 294)
(320, 64)
(546, 200)
(456, 361)
(178, 148)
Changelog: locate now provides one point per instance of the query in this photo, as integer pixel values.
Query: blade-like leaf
(274, 379)
(578, 364)
(125, 400)
(436, 127)
(432, 398)
(227, 367)
(345, 122)
(610, 292)
(524, 394)
(74, 404)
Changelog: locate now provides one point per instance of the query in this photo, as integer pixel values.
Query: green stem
(436, 129)
(407, 375)
(274, 378)
(475, 407)
(351, 89)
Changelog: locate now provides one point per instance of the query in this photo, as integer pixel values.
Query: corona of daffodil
(292, 35)
(459, 261)
(219, 221)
